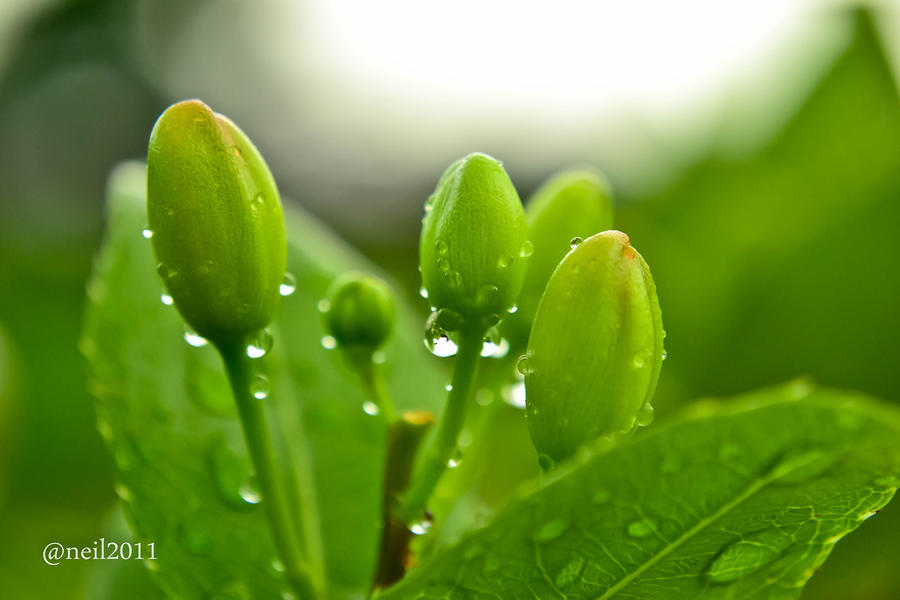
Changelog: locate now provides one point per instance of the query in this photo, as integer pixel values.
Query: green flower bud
(474, 241)
(572, 204)
(216, 221)
(359, 312)
(595, 350)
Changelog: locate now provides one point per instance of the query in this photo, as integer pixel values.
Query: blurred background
(754, 149)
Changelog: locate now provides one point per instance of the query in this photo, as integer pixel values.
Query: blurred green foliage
(770, 265)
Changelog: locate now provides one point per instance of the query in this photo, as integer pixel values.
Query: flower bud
(474, 241)
(570, 205)
(595, 350)
(360, 312)
(216, 221)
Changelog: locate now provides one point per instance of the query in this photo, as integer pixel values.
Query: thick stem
(259, 445)
(434, 461)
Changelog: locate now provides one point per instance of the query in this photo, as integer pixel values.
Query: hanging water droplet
(527, 249)
(260, 387)
(328, 342)
(455, 279)
(664, 354)
(443, 264)
(494, 349)
(147, 233)
(123, 492)
(249, 493)
(166, 299)
(455, 459)
(261, 345)
(504, 261)
(370, 408)
(512, 309)
(645, 415)
(437, 340)
(488, 298)
(441, 346)
(423, 292)
(551, 530)
(194, 340)
(524, 365)
(641, 528)
(747, 554)
(514, 395)
(441, 247)
(288, 285)
(165, 271)
(575, 242)
(448, 387)
(420, 527)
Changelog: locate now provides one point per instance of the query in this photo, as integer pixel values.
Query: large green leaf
(165, 411)
(738, 500)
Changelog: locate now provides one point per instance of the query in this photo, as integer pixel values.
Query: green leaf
(737, 500)
(167, 416)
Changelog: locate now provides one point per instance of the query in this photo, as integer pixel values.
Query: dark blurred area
(773, 233)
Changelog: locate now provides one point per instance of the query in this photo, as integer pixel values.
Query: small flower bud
(474, 241)
(596, 347)
(216, 221)
(360, 312)
(570, 205)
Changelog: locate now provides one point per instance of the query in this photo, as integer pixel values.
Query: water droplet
(527, 249)
(488, 298)
(504, 261)
(147, 233)
(288, 285)
(748, 554)
(575, 242)
(665, 354)
(546, 462)
(645, 415)
(379, 357)
(443, 264)
(601, 497)
(423, 292)
(455, 279)
(166, 299)
(194, 340)
(441, 346)
(277, 566)
(258, 201)
(249, 493)
(524, 365)
(323, 306)
(261, 345)
(420, 527)
(260, 387)
(441, 247)
(328, 342)
(551, 530)
(437, 340)
(512, 309)
(165, 271)
(448, 387)
(370, 408)
(637, 362)
(455, 459)
(123, 492)
(514, 395)
(495, 350)
(641, 528)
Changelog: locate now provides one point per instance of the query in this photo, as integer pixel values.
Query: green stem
(442, 447)
(377, 390)
(259, 444)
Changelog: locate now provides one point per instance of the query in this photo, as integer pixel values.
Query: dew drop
(249, 493)
(495, 350)
(524, 365)
(488, 298)
(748, 554)
(455, 279)
(437, 340)
(277, 566)
(512, 309)
(260, 387)
(551, 530)
(527, 249)
(166, 299)
(123, 492)
(379, 357)
(641, 528)
(665, 354)
(455, 459)
(147, 233)
(514, 395)
(443, 264)
(328, 342)
(420, 527)
(441, 346)
(288, 285)
(370, 408)
(165, 271)
(575, 242)
(261, 345)
(258, 201)
(229, 473)
(448, 387)
(423, 292)
(637, 362)
(194, 340)
(504, 261)
(645, 415)
(323, 306)
(441, 247)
